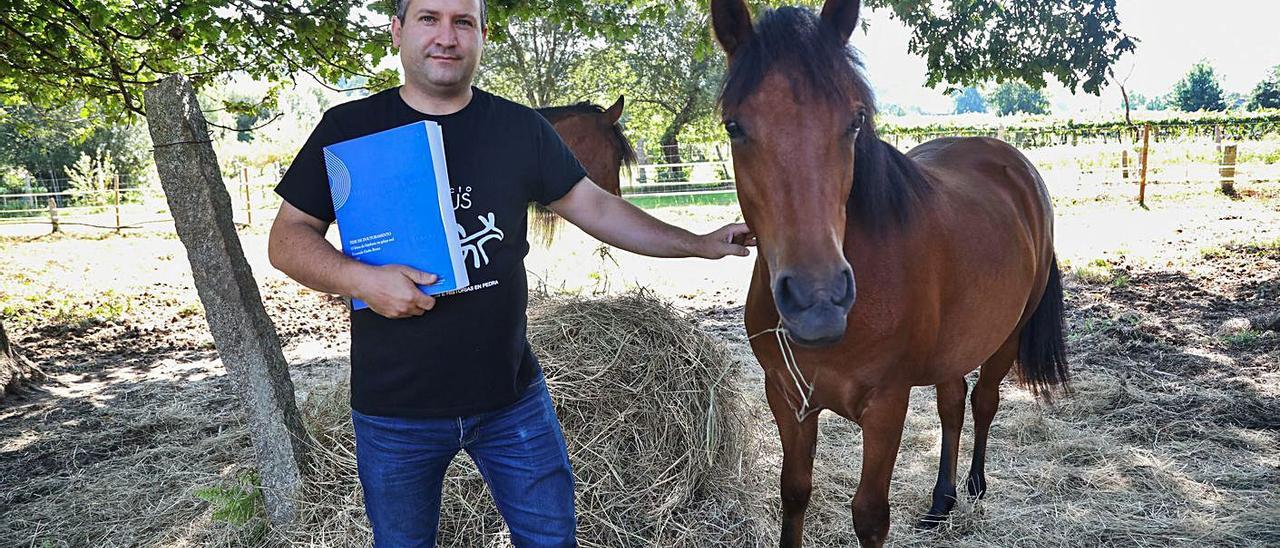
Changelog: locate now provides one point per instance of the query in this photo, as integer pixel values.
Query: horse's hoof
(937, 513)
(930, 522)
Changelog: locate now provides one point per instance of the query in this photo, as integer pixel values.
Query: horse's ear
(614, 113)
(731, 20)
(842, 17)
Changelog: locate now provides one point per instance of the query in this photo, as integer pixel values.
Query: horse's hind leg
(951, 411)
(986, 399)
(799, 442)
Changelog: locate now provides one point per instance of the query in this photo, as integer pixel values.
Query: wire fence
(1078, 165)
(130, 205)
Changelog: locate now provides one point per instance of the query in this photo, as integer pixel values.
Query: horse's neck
(889, 189)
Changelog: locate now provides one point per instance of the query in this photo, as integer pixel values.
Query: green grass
(190, 309)
(1120, 280)
(1097, 272)
(235, 504)
(45, 309)
(239, 504)
(728, 197)
(1214, 252)
(1264, 247)
(1243, 339)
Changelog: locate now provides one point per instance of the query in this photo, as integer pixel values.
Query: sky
(1241, 38)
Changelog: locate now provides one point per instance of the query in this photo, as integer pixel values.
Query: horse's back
(976, 175)
(980, 161)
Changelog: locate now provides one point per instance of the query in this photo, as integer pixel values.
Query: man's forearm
(308, 258)
(621, 224)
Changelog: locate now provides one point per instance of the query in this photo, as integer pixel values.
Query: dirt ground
(1170, 437)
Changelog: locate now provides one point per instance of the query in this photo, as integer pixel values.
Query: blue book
(392, 200)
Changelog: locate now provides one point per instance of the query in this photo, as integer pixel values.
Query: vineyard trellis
(1079, 160)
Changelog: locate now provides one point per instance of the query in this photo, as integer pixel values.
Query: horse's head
(794, 106)
(596, 139)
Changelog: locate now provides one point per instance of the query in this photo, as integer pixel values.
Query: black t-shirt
(470, 354)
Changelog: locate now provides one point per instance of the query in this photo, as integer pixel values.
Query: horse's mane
(555, 114)
(886, 184)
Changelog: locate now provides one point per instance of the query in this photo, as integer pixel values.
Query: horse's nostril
(849, 289)
(787, 296)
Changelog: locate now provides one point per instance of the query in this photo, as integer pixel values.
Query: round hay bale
(656, 426)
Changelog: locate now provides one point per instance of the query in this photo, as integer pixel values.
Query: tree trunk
(242, 332)
(671, 154)
(671, 142)
(14, 369)
(1125, 93)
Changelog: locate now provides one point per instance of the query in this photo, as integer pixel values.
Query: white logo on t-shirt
(473, 245)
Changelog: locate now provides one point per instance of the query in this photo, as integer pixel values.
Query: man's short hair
(402, 6)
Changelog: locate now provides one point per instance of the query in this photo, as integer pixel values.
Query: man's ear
(395, 31)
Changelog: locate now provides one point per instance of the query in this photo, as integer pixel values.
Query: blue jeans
(519, 450)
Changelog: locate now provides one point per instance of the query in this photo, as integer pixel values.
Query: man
(430, 377)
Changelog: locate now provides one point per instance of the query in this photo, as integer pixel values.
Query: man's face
(440, 42)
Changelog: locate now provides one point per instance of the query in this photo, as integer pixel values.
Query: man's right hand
(392, 290)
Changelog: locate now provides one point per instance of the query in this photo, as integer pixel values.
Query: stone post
(53, 215)
(245, 337)
(1227, 170)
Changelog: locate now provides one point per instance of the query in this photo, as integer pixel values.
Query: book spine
(447, 217)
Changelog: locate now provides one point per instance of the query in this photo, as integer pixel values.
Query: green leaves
(1015, 97)
(1199, 90)
(968, 42)
(1266, 94)
(107, 52)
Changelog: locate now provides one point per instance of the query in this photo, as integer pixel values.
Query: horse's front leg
(799, 441)
(881, 423)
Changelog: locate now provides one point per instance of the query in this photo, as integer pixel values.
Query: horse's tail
(1042, 349)
(544, 224)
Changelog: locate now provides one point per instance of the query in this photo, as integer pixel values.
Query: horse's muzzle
(815, 310)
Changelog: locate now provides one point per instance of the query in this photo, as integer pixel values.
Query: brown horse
(595, 137)
(877, 271)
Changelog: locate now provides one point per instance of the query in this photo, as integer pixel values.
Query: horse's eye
(734, 130)
(858, 121)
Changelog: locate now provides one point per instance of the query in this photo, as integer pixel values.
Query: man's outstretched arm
(619, 223)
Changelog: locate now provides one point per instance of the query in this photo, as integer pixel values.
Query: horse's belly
(986, 302)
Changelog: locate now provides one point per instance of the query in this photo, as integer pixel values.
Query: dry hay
(653, 418)
(128, 474)
(1171, 438)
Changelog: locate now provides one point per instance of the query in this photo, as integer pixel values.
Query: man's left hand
(733, 239)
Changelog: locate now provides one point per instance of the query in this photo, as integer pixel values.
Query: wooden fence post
(53, 215)
(248, 202)
(1146, 149)
(116, 185)
(1227, 170)
(1124, 166)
